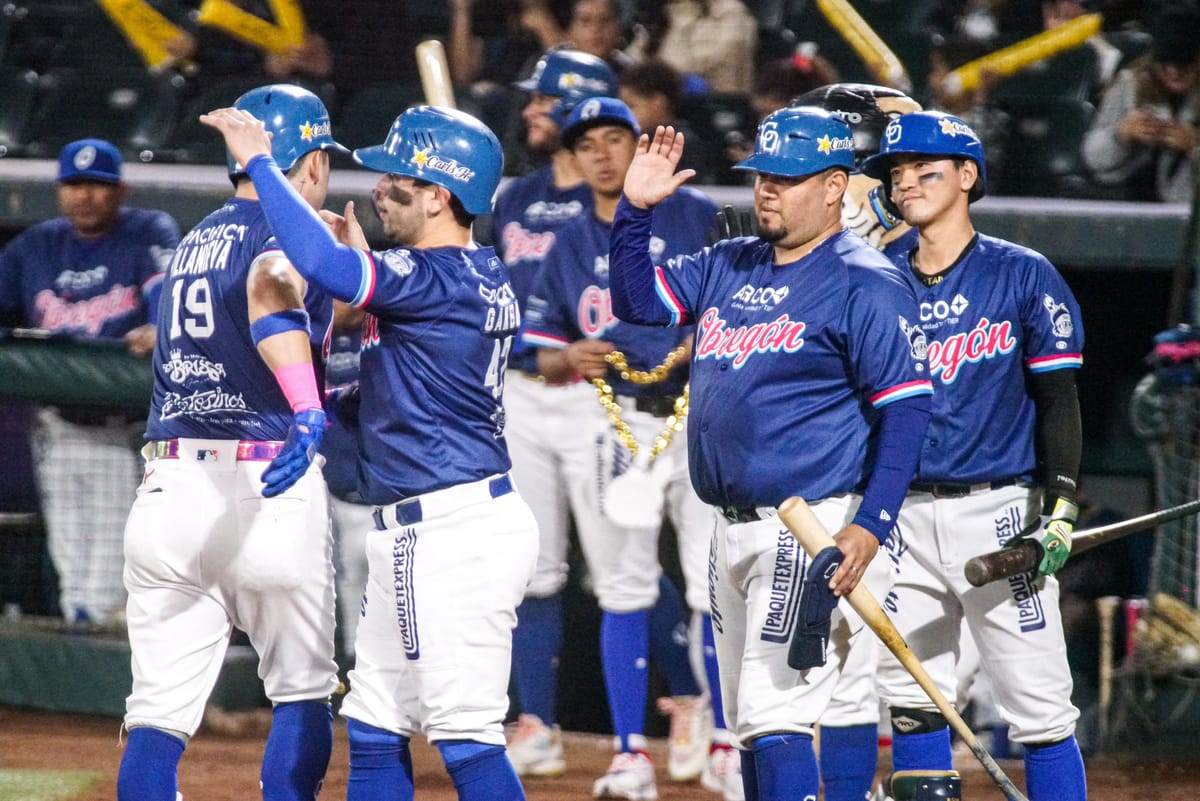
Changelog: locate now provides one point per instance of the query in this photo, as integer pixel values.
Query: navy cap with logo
(594, 112)
(90, 160)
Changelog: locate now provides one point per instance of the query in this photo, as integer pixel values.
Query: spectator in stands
(1144, 136)
(595, 28)
(93, 273)
(712, 43)
(652, 92)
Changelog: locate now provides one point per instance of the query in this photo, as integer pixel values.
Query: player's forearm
(553, 365)
(631, 270)
(902, 427)
(305, 238)
(1059, 431)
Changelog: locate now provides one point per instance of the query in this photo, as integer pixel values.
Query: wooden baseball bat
(435, 73)
(813, 537)
(1024, 556)
(1106, 609)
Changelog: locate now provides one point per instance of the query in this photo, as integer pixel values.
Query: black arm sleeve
(1059, 432)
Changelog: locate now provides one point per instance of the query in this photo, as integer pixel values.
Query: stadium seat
(1041, 157)
(130, 107)
(194, 143)
(18, 92)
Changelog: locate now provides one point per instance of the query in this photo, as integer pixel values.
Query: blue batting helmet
(800, 140)
(443, 146)
(594, 112)
(296, 118)
(570, 75)
(930, 133)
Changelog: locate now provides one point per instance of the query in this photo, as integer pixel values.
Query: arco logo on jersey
(942, 309)
(545, 211)
(754, 298)
(715, 340)
(986, 340)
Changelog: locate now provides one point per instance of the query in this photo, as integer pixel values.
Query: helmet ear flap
(880, 198)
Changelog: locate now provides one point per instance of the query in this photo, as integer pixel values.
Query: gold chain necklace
(612, 409)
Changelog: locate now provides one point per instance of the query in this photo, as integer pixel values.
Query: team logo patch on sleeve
(918, 347)
(1060, 317)
(399, 262)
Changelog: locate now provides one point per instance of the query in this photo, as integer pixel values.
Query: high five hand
(245, 135)
(651, 176)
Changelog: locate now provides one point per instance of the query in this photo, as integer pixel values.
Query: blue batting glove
(810, 638)
(303, 440)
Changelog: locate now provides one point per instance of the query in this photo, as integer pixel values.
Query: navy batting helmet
(931, 133)
(866, 108)
(296, 119)
(443, 146)
(800, 140)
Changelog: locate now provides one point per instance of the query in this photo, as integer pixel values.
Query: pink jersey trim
(1043, 364)
(668, 297)
(543, 340)
(906, 390)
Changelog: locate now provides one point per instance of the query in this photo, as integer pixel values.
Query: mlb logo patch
(206, 455)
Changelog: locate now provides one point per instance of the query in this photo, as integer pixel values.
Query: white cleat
(536, 749)
(630, 776)
(690, 737)
(723, 773)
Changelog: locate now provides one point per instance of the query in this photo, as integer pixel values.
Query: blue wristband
(277, 323)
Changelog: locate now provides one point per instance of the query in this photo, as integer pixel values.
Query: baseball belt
(747, 514)
(411, 511)
(938, 490)
(247, 450)
(656, 406)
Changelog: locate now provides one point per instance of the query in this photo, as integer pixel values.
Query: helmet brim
(777, 165)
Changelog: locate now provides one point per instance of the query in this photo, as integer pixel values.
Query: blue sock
(381, 766)
(1055, 772)
(536, 643)
(669, 639)
(928, 751)
(149, 766)
(480, 772)
(786, 767)
(849, 755)
(749, 775)
(297, 752)
(712, 672)
(623, 654)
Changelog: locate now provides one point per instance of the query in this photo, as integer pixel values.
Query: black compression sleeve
(1059, 432)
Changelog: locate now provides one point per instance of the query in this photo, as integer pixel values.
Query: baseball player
(230, 527)
(807, 379)
(454, 545)
(1002, 450)
(541, 414)
(569, 318)
(96, 273)
(542, 419)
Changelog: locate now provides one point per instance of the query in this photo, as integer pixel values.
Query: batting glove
(811, 635)
(1056, 536)
(303, 440)
(731, 224)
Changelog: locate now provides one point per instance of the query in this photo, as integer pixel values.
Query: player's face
(793, 211)
(604, 154)
(925, 188)
(541, 132)
(400, 203)
(91, 206)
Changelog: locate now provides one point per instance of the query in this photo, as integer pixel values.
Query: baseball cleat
(723, 773)
(690, 736)
(536, 749)
(630, 776)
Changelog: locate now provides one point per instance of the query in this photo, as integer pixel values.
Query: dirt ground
(224, 766)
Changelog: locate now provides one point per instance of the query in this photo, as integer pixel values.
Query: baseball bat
(1106, 609)
(435, 73)
(813, 537)
(1024, 556)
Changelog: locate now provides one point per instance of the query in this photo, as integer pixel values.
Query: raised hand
(651, 177)
(245, 135)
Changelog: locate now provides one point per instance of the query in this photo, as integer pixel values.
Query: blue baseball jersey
(790, 364)
(340, 446)
(434, 352)
(1003, 311)
(525, 220)
(570, 298)
(96, 288)
(209, 380)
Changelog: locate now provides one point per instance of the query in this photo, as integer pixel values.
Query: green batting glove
(1056, 536)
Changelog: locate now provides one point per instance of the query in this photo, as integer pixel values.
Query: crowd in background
(1113, 118)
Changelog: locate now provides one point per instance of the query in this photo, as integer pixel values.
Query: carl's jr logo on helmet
(431, 161)
(826, 145)
(308, 131)
(574, 82)
(955, 128)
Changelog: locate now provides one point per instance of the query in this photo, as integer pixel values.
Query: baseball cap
(90, 159)
(594, 112)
